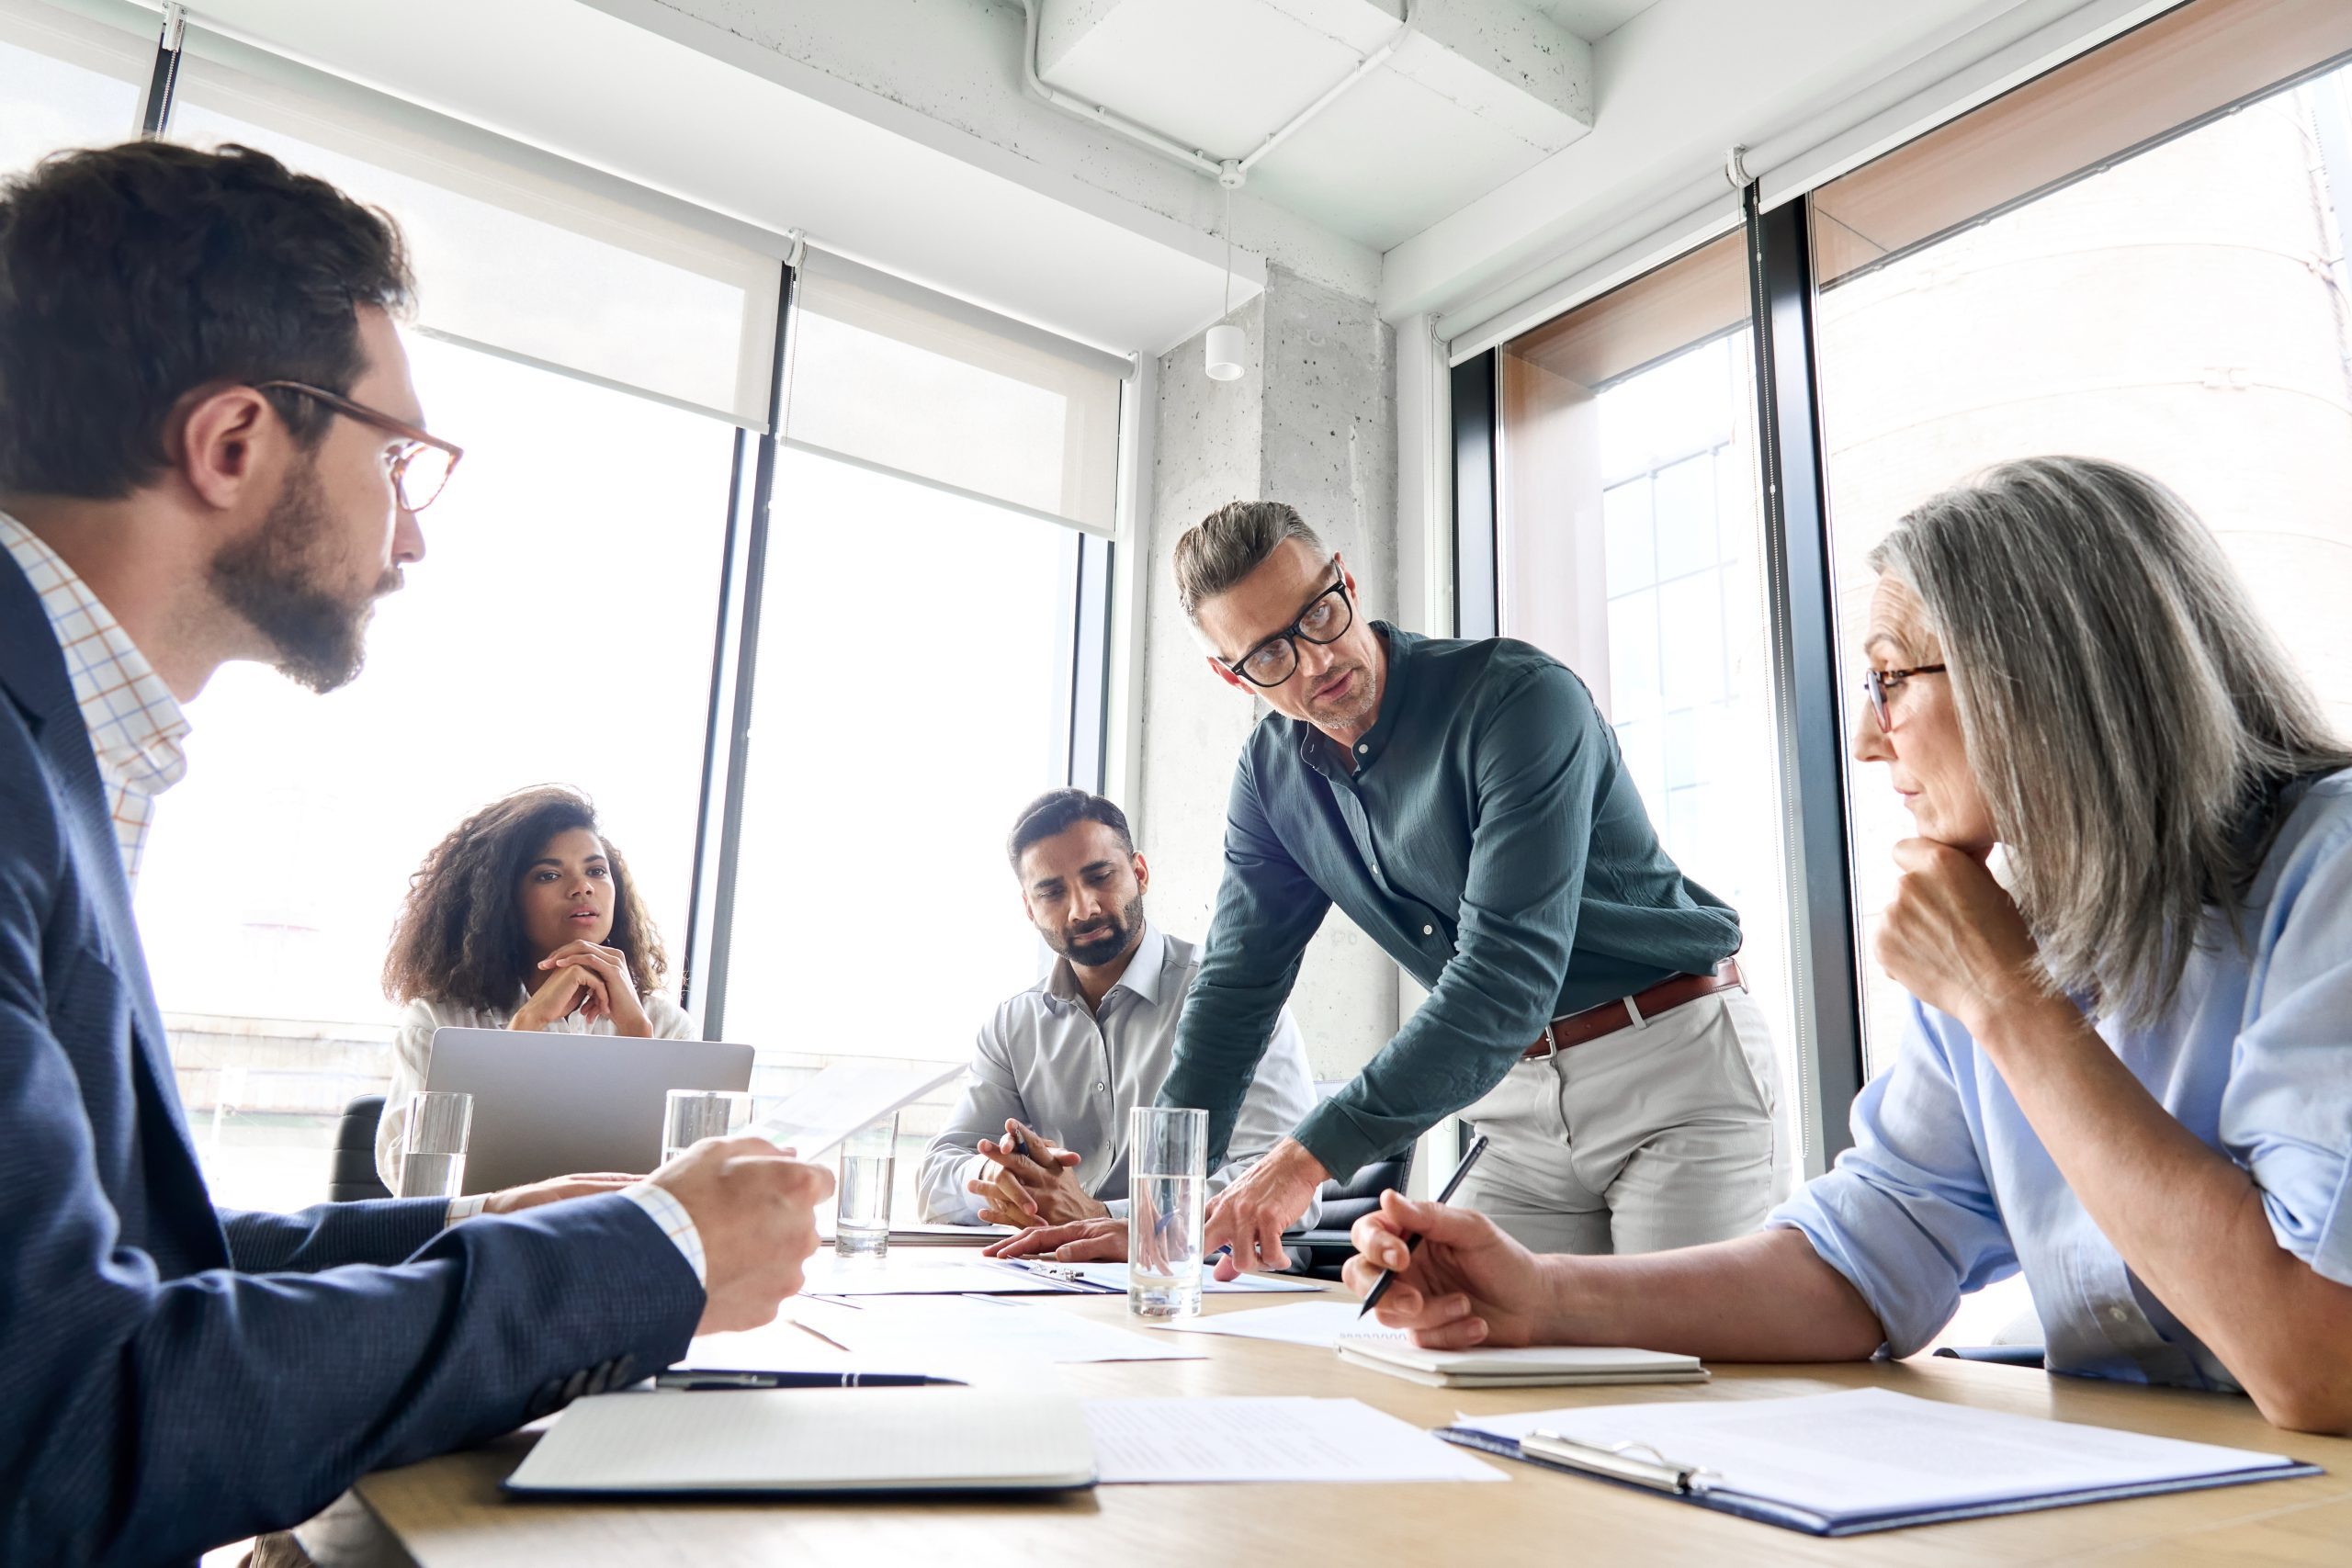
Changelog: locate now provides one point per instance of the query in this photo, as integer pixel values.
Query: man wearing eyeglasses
(210, 450)
(1464, 804)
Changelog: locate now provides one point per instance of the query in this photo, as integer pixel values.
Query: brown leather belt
(1608, 1018)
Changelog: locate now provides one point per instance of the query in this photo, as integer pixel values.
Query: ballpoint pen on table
(694, 1380)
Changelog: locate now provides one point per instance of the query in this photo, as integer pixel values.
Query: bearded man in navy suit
(210, 450)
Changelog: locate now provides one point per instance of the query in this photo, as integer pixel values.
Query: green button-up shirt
(1487, 837)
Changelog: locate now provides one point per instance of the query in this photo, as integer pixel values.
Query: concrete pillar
(1312, 422)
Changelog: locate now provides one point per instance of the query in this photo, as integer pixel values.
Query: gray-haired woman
(2129, 1073)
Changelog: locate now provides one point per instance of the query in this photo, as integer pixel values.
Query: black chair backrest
(353, 1177)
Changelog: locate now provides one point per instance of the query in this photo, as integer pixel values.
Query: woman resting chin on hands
(2129, 1068)
(523, 918)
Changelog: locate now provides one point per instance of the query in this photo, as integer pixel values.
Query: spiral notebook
(1838, 1464)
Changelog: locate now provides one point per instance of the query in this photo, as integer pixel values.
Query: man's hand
(755, 1210)
(1467, 1284)
(1039, 1188)
(554, 1190)
(1271, 1196)
(1083, 1241)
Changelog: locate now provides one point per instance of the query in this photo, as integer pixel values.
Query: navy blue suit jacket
(173, 1376)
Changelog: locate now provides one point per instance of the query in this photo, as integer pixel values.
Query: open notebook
(1865, 1460)
(787, 1441)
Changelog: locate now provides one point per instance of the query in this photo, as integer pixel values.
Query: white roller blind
(515, 250)
(897, 377)
(70, 76)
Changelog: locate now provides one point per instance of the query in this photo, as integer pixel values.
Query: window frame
(1824, 914)
(1084, 684)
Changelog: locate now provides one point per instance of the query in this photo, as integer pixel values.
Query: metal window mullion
(162, 79)
(1477, 556)
(1801, 612)
(727, 741)
(1090, 684)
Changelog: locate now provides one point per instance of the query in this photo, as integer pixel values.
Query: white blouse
(413, 1049)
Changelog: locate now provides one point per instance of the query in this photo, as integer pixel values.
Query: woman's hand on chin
(604, 972)
(561, 994)
(1954, 937)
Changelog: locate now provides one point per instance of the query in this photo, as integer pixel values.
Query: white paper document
(844, 1098)
(1267, 1440)
(1870, 1451)
(1114, 1276)
(945, 1334)
(1322, 1325)
(935, 1271)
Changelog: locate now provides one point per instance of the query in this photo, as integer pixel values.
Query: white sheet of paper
(1320, 1323)
(930, 1272)
(1870, 1450)
(843, 1097)
(1267, 1440)
(943, 1335)
(1115, 1276)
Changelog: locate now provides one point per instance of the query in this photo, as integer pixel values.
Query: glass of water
(433, 1145)
(861, 1217)
(690, 1115)
(1167, 1185)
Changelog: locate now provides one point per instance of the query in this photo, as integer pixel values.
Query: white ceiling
(1591, 20)
(1415, 140)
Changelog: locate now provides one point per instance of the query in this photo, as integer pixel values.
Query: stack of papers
(1322, 1325)
(1537, 1366)
(948, 1336)
(939, 1272)
(1138, 1441)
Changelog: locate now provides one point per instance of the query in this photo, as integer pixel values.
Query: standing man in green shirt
(1464, 804)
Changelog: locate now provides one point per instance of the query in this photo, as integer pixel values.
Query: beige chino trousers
(1661, 1134)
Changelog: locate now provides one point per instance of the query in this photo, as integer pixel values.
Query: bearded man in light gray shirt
(1040, 1136)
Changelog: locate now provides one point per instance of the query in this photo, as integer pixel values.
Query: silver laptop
(553, 1104)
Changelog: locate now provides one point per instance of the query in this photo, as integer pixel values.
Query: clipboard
(2166, 1466)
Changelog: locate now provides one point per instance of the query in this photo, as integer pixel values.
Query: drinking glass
(862, 1215)
(1167, 1187)
(690, 1115)
(433, 1145)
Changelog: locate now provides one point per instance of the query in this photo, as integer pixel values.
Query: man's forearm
(1766, 1297)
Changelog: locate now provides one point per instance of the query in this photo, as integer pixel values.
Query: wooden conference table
(448, 1512)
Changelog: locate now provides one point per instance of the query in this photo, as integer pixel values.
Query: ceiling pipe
(1229, 173)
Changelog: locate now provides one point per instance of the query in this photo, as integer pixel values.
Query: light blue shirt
(1948, 1188)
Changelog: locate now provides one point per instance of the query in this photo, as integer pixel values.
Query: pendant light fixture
(1227, 345)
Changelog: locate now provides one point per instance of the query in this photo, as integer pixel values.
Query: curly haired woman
(523, 918)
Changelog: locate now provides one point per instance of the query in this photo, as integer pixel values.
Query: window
(560, 629)
(2140, 256)
(1631, 545)
(68, 80)
(913, 693)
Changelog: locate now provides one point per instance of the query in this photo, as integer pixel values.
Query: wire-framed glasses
(1878, 682)
(420, 465)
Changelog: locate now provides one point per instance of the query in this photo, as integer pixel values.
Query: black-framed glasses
(1326, 619)
(1878, 682)
(420, 465)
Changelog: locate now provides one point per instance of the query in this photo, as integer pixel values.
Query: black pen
(1469, 1158)
(690, 1379)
